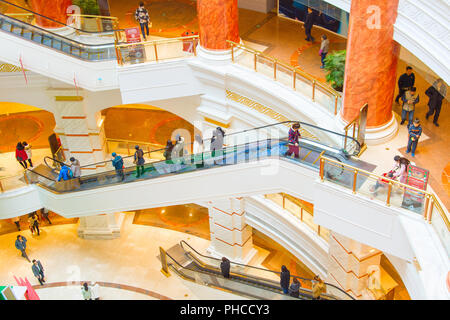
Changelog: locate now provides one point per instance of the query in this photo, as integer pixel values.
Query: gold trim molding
(217, 123)
(6, 67)
(68, 98)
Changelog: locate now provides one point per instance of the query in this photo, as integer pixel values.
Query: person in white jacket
(75, 167)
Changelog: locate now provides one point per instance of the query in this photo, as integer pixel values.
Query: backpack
(140, 153)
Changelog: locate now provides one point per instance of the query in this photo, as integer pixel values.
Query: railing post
(254, 61)
(426, 206)
(156, 51)
(99, 26)
(313, 89)
(25, 177)
(1, 186)
(355, 178)
(388, 200)
(164, 266)
(335, 104)
(194, 43)
(322, 165)
(354, 128)
(345, 139)
(275, 70)
(431, 210)
(232, 52)
(294, 78)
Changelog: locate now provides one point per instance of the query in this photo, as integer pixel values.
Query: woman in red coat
(21, 155)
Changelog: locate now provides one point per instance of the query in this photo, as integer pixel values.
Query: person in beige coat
(318, 287)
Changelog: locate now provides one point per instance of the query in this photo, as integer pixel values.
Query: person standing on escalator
(75, 167)
(117, 162)
(285, 278)
(294, 136)
(139, 161)
(225, 267)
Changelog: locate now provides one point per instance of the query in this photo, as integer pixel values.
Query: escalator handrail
(262, 269)
(58, 22)
(239, 132)
(201, 271)
(63, 38)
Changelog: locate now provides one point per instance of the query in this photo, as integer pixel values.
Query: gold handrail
(92, 16)
(291, 68)
(157, 42)
(393, 182)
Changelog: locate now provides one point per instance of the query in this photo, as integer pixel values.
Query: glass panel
(10, 183)
(325, 233)
(285, 75)
(265, 66)
(308, 218)
(245, 58)
(325, 98)
(293, 208)
(441, 228)
(276, 197)
(303, 85)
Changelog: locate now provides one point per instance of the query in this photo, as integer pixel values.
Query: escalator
(249, 281)
(72, 41)
(266, 142)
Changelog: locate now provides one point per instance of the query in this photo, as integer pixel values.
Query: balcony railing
(293, 77)
(155, 50)
(393, 193)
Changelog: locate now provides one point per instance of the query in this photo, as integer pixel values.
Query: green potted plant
(335, 65)
(89, 7)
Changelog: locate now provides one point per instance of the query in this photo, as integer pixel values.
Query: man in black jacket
(309, 22)
(436, 93)
(225, 267)
(405, 82)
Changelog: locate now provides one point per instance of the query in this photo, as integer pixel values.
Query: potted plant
(335, 65)
(89, 7)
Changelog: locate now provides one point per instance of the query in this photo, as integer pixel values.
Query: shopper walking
(117, 162)
(44, 215)
(27, 148)
(293, 144)
(139, 161)
(405, 82)
(75, 167)
(324, 47)
(294, 288)
(415, 131)
(86, 291)
(168, 150)
(16, 221)
(410, 99)
(38, 271)
(21, 245)
(143, 18)
(21, 155)
(318, 287)
(225, 267)
(285, 278)
(34, 223)
(436, 93)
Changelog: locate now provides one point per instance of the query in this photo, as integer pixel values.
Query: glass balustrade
(293, 77)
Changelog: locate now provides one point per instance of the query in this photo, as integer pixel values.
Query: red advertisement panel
(133, 35)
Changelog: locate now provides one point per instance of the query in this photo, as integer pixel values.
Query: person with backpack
(139, 161)
(117, 162)
(65, 173)
(168, 150)
(21, 155)
(143, 18)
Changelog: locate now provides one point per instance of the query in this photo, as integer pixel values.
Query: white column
(102, 226)
(80, 132)
(350, 264)
(231, 237)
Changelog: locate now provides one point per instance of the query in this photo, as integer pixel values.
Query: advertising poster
(418, 178)
(136, 53)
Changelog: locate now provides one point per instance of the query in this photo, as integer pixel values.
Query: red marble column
(218, 21)
(371, 63)
(55, 9)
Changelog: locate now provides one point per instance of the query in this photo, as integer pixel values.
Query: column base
(218, 57)
(377, 135)
(101, 227)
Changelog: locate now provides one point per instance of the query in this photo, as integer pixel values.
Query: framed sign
(416, 177)
(133, 35)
